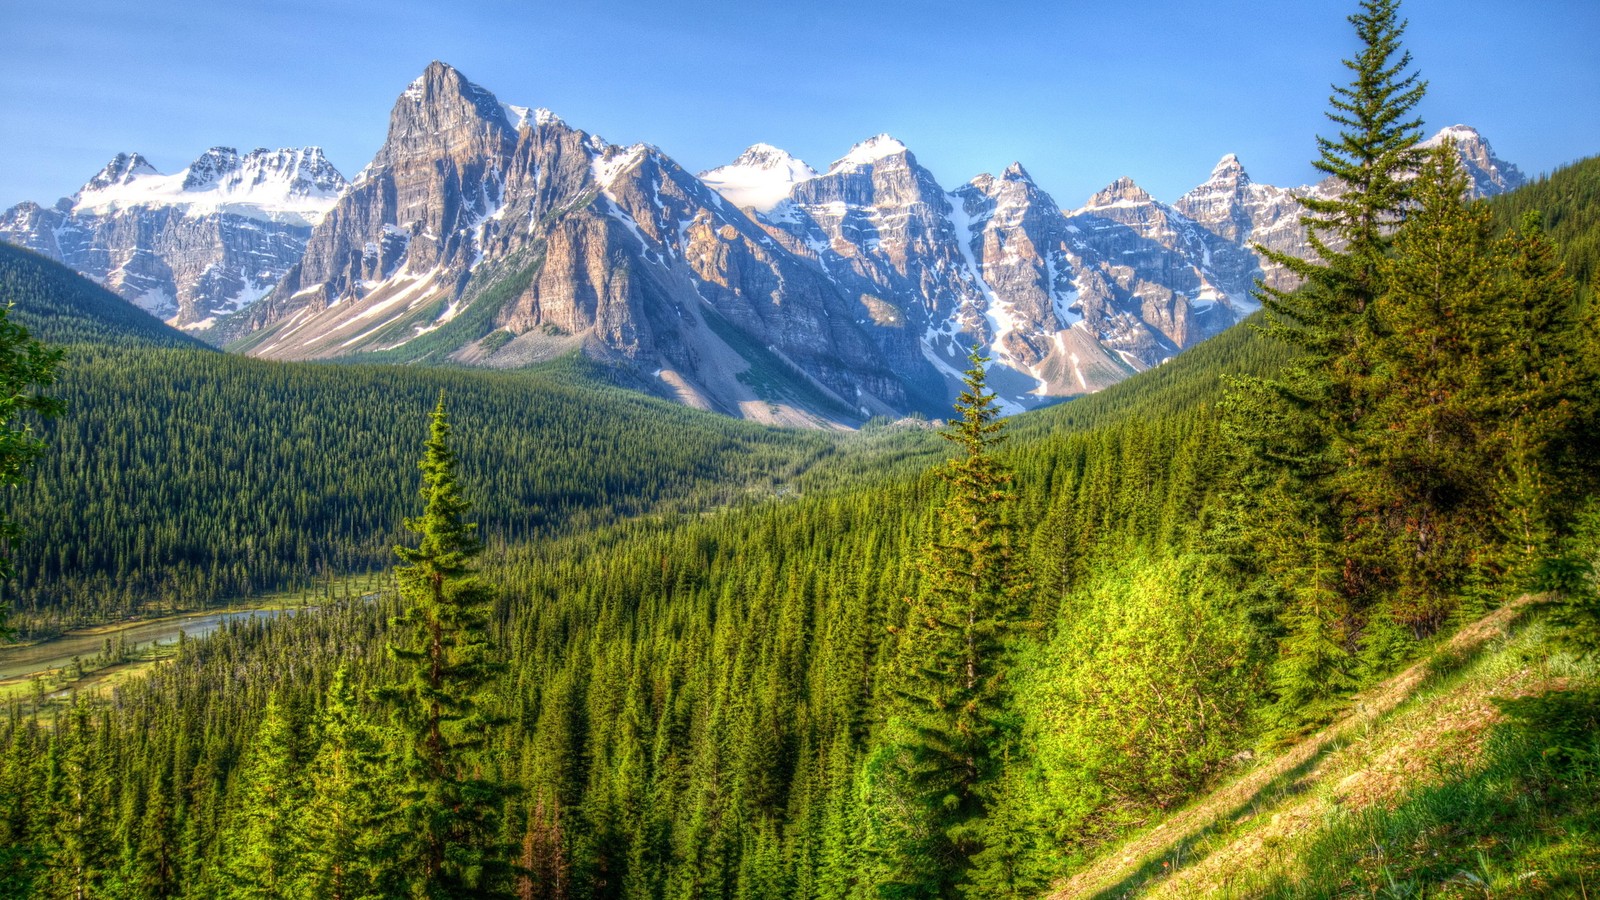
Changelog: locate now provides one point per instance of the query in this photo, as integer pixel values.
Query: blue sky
(1080, 92)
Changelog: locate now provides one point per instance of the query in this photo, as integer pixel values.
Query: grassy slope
(1424, 789)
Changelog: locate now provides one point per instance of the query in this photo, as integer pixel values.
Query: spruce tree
(1544, 391)
(261, 860)
(1422, 451)
(947, 735)
(1371, 161)
(349, 840)
(1312, 534)
(454, 802)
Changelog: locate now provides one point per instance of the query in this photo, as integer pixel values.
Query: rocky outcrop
(462, 229)
(189, 247)
(1487, 174)
(497, 235)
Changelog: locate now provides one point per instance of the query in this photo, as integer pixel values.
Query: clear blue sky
(1080, 91)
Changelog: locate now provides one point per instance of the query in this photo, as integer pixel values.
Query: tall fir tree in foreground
(950, 727)
(453, 801)
(1313, 540)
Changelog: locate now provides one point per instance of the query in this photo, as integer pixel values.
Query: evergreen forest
(608, 647)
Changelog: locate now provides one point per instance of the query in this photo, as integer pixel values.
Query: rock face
(1489, 174)
(1232, 206)
(1237, 209)
(495, 235)
(192, 246)
(1063, 303)
(484, 241)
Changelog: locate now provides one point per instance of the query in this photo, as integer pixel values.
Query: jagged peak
(1122, 192)
(869, 151)
(123, 168)
(520, 117)
(209, 166)
(1489, 173)
(435, 72)
(295, 185)
(1015, 172)
(1230, 169)
(762, 177)
(440, 80)
(1459, 133)
(766, 157)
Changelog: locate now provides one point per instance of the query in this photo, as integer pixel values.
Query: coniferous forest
(615, 648)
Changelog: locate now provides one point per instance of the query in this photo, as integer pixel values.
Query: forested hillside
(680, 657)
(1567, 202)
(60, 306)
(181, 477)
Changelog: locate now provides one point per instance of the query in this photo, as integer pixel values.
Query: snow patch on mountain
(606, 166)
(867, 152)
(286, 186)
(761, 178)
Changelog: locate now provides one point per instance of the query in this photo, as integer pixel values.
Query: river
(20, 662)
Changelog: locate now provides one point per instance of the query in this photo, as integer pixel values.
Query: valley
(528, 516)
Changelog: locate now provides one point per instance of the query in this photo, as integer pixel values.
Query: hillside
(158, 493)
(1426, 788)
(1568, 202)
(59, 306)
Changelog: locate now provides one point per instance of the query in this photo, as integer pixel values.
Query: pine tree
(261, 860)
(454, 803)
(1544, 392)
(349, 843)
(950, 724)
(1371, 161)
(1304, 425)
(1422, 449)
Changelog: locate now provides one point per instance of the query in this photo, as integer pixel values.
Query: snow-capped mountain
(293, 187)
(471, 239)
(1488, 174)
(490, 234)
(761, 178)
(188, 247)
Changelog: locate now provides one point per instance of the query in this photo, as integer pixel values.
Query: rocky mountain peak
(1122, 192)
(1015, 172)
(869, 151)
(766, 156)
(122, 169)
(1489, 174)
(442, 81)
(442, 113)
(1230, 171)
(762, 177)
(303, 172)
(210, 167)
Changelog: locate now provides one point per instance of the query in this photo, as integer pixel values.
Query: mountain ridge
(865, 285)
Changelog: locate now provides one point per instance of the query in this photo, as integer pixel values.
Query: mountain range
(487, 234)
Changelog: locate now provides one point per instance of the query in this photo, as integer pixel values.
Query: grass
(1474, 773)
